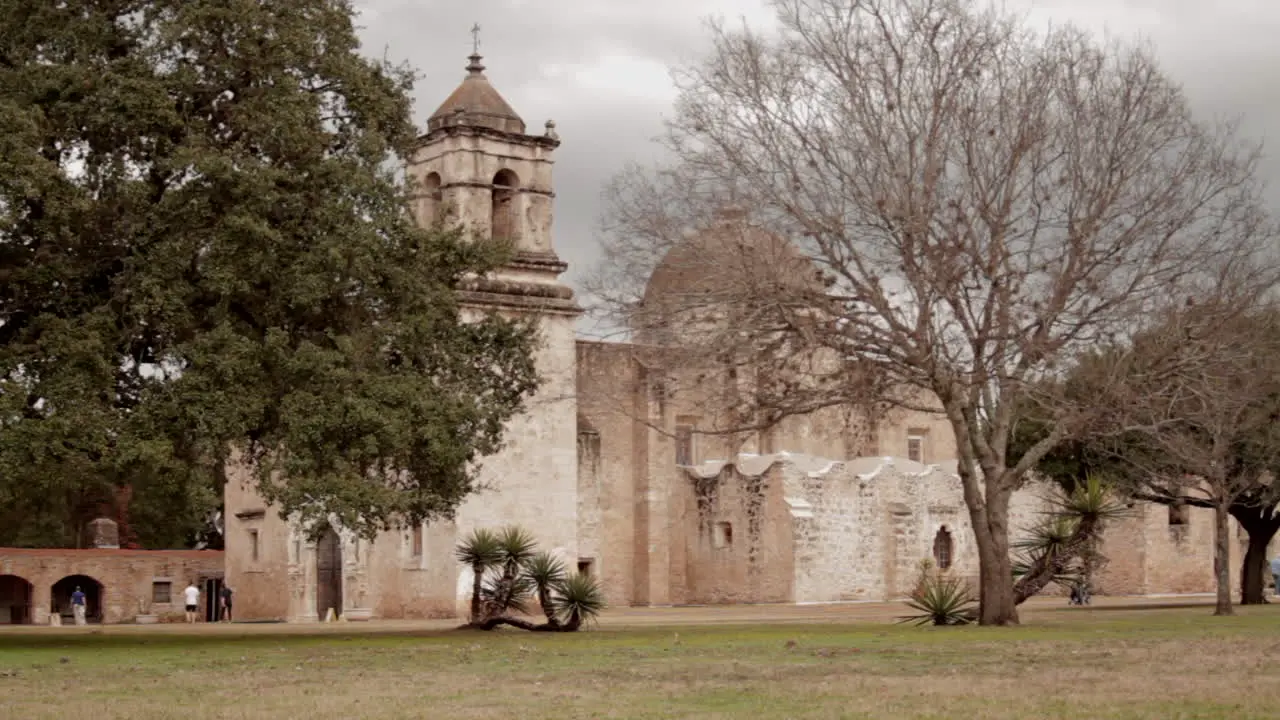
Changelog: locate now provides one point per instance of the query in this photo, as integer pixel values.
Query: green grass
(1080, 665)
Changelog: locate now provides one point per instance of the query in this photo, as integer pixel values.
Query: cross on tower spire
(475, 68)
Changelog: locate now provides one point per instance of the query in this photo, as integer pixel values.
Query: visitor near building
(77, 605)
(192, 597)
(225, 604)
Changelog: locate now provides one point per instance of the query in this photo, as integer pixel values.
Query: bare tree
(1195, 415)
(982, 202)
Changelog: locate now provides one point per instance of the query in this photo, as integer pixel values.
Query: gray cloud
(597, 68)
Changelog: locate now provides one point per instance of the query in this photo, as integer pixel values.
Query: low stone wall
(120, 584)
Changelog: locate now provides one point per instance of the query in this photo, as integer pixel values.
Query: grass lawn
(1080, 665)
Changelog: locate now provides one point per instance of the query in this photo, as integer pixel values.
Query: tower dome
(476, 103)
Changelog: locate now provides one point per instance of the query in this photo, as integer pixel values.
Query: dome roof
(729, 263)
(476, 103)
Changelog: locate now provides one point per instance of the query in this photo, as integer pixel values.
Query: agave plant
(941, 600)
(481, 551)
(579, 598)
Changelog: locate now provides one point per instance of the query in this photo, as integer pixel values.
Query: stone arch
(60, 597)
(432, 198)
(504, 215)
(16, 595)
(944, 548)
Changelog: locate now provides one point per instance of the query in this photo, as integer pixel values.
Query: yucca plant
(579, 598)
(511, 588)
(547, 574)
(509, 571)
(1051, 552)
(481, 550)
(941, 599)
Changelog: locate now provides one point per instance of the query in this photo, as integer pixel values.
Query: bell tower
(476, 167)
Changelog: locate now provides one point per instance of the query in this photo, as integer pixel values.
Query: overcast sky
(599, 69)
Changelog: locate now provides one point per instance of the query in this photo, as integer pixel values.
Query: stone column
(41, 600)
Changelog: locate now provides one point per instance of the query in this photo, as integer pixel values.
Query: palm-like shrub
(1056, 550)
(480, 551)
(579, 598)
(510, 571)
(547, 574)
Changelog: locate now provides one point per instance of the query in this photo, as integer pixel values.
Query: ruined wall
(737, 534)
(1179, 558)
(126, 578)
(863, 526)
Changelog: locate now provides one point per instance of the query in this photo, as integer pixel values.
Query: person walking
(77, 605)
(192, 597)
(225, 602)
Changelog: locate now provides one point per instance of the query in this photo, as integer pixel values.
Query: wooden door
(328, 573)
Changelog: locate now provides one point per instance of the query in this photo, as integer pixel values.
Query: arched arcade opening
(15, 600)
(504, 221)
(60, 598)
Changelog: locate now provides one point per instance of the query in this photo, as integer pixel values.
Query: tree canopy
(206, 256)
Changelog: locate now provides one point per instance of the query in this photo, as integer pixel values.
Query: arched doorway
(328, 573)
(943, 548)
(60, 597)
(15, 600)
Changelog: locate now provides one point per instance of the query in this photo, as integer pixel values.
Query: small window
(684, 445)
(915, 447)
(1179, 514)
(161, 592)
(297, 550)
(416, 544)
(942, 548)
(253, 545)
(585, 566)
(723, 535)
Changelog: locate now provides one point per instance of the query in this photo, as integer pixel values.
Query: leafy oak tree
(206, 259)
(984, 200)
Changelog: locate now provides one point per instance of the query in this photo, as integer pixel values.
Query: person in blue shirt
(77, 605)
(1275, 573)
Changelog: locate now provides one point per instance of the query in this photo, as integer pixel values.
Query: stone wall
(737, 534)
(611, 452)
(533, 481)
(864, 526)
(126, 582)
(829, 531)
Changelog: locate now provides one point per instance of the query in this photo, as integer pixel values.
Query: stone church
(608, 469)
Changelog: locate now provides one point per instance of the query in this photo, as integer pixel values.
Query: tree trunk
(996, 602)
(544, 599)
(1222, 558)
(1261, 523)
(476, 586)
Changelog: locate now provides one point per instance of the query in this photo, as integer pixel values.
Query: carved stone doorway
(328, 573)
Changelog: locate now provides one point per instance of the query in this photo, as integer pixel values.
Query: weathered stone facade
(119, 584)
(616, 466)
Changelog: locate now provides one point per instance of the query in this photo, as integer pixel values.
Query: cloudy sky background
(599, 68)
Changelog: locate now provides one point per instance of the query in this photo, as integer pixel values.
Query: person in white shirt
(192, 597)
